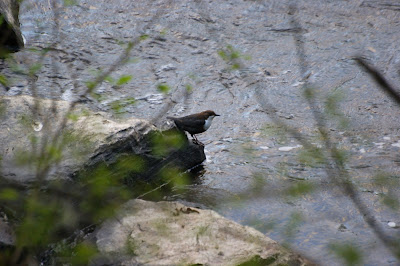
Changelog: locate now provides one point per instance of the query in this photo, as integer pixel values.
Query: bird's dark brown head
(208, 113)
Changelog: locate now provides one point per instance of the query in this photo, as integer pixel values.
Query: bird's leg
(196, 141)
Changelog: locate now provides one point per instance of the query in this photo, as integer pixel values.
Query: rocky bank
(170, 233)
(84, 140)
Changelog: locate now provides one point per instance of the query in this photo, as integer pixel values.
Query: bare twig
(379, 79)
(338, 174)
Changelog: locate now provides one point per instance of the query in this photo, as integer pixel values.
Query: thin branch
(379, 79)
(338, 172)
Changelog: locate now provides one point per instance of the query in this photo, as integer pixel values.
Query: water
(246, 177)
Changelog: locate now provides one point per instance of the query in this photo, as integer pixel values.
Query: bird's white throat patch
(208, 122)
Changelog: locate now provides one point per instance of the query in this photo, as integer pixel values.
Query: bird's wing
(193, 121)
(190, 124)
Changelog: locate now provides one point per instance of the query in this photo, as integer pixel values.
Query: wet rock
(10, 34)
(396, 144)
(169, 233)
(168, 67)
(87, 140)
(288, 148)
(7, 237)
(342, 228)
(156, 98)
(392, 225)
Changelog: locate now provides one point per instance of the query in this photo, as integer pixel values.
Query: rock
(7, 237)
(88, 139)
(396, 144)
(169, 233)
(342, 228)
(288, 148)
(392, 224)
(10, 34)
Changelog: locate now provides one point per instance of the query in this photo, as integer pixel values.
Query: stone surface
(7, 237)
(169, 233)
(10, 33)
(88, 139)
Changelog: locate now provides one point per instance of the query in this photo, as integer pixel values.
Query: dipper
(195, 123)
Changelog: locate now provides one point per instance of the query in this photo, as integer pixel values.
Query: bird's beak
(217, 115)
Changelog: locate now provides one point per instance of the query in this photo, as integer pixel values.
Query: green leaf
(390, 201)
(8, 194)
(309, 93)
(223, 55)
(129, 164)
(234, 53)
(70, 2)
(90, 85)
(130, 101)
(73, 117)
(313, 156)
(124, 79)
(144, 37)
(175, 176)
(34, 68)
(164, 88)
(37, 229)
(348, 252)
(247, 57)
(296, 218)
(235, 66)
(55, 153)
(163, 143)
(3, 80)
(258, 183)
(97, 96)
(117, 106)
(300, 189)
(109, 79)
(189, 88)
(275, 131)
(83, 253)
(164, 31)
(3, 108)
(256, 260)
(340, 155)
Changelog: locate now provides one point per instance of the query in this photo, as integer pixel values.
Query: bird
(195, 123)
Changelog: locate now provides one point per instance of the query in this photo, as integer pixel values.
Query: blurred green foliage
(232, 57)
(164, 88)
(299, 189)
(274, 131)
(3, 80)
(312, 156)
(46, 213)
(349, 253)
(124, 79)
(293, 225)
(70, 2)
(258, 261)
(8, 194)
